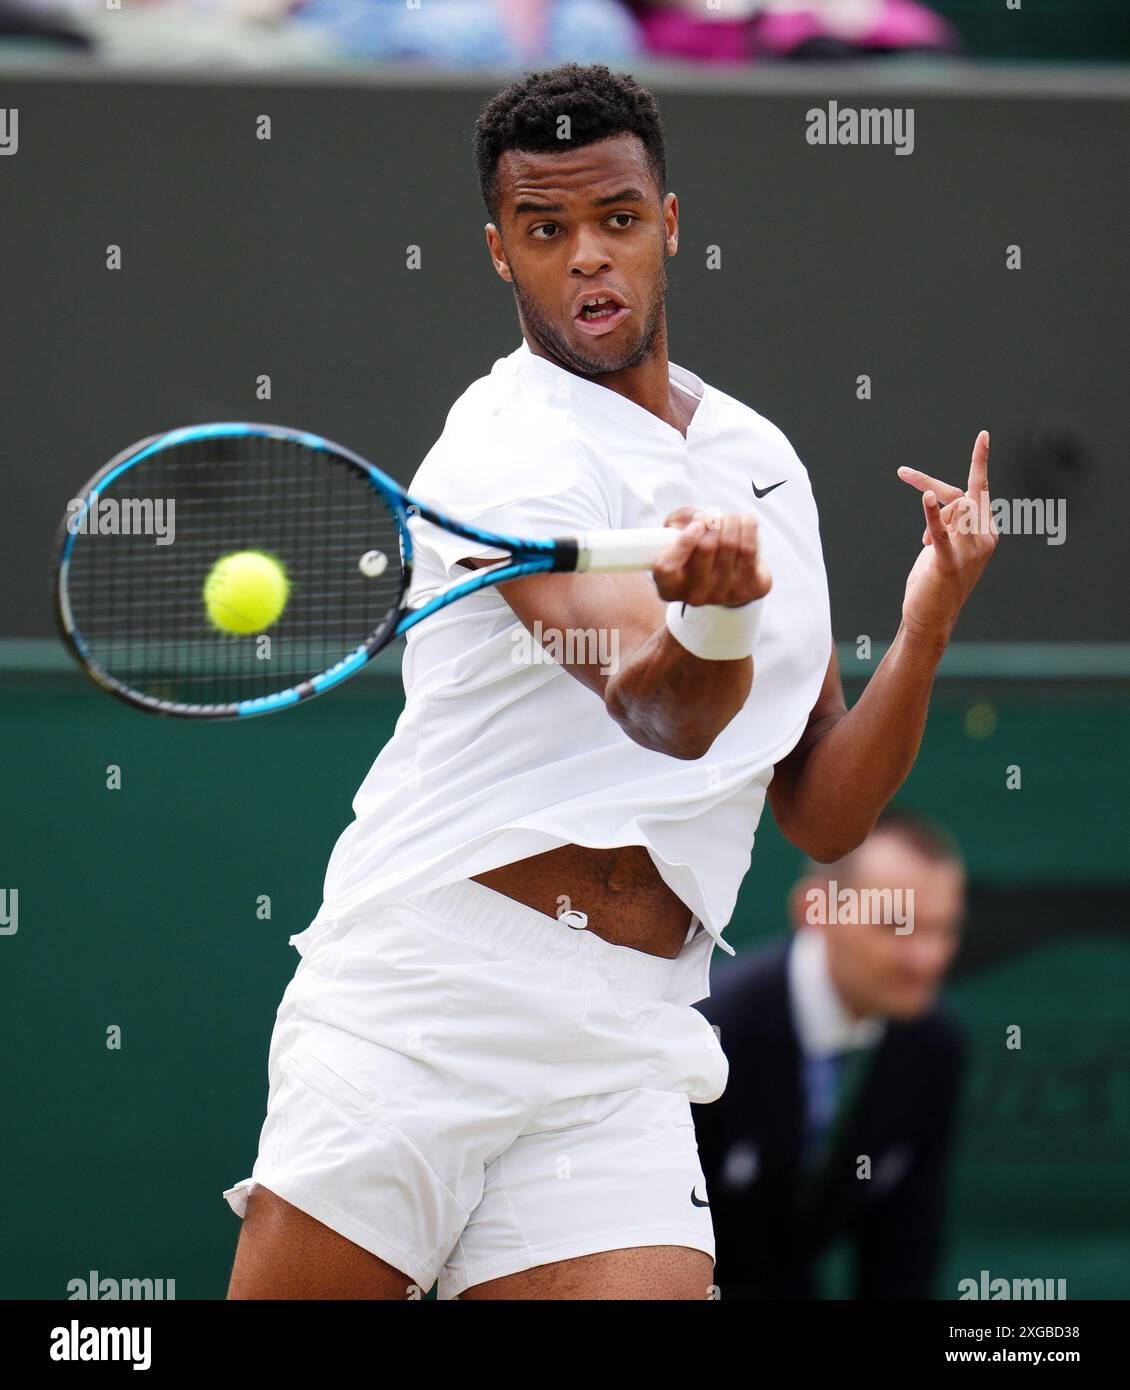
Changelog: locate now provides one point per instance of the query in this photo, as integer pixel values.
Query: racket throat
(566, 555)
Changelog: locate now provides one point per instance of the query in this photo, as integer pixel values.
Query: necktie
(833, 1086)
(822, 1088)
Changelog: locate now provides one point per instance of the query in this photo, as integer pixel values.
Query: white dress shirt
(823, 1023)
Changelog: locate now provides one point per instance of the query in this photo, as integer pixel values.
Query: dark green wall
(137, 908)
(1051, 30)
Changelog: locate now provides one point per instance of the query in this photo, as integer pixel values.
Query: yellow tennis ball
(246, 591)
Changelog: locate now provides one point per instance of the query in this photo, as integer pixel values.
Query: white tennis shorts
(468, 1088)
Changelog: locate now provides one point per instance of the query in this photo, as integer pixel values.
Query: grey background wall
(287, 257)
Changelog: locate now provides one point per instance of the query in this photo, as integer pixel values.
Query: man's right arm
(663, 696)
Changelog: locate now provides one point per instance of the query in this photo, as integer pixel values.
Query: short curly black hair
(599, 103)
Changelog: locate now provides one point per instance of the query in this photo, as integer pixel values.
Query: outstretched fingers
(979, 482)
(936, 529)
(946, 491)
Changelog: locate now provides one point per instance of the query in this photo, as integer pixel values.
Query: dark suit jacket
(768, 1235)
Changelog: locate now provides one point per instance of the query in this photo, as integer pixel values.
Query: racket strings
(138, 602)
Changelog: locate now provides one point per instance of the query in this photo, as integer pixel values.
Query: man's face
(581, 224)
(878, 971)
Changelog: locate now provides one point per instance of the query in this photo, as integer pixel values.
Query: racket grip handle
(606, 552)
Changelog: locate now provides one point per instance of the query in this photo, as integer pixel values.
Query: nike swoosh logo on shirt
(695, 1202)
(764, 491)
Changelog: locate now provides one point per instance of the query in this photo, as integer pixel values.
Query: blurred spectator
(41, 22)
(740, 30)
(834, 28)
(478, 33)
(696, 30)
(839, 1059)
(177, 33)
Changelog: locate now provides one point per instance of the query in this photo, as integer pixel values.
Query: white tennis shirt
(499, 755)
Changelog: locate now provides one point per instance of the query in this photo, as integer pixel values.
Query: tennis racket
(139, 543)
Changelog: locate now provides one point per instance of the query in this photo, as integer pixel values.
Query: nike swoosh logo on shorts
(765, 491)
(696, 1202)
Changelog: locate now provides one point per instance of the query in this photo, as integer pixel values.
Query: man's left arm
(828, 792)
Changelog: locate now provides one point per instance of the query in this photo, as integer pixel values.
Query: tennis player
(482, 1070)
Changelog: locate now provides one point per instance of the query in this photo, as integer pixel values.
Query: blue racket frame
(526, 557)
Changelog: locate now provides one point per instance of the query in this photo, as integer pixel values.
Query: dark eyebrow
(626, 195)
(536, 207)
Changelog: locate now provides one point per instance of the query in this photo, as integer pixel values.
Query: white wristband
(714, 632)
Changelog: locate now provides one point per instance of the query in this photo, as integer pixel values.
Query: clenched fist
(714, 560)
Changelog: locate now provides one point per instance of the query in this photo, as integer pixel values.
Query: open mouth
(600, 314)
